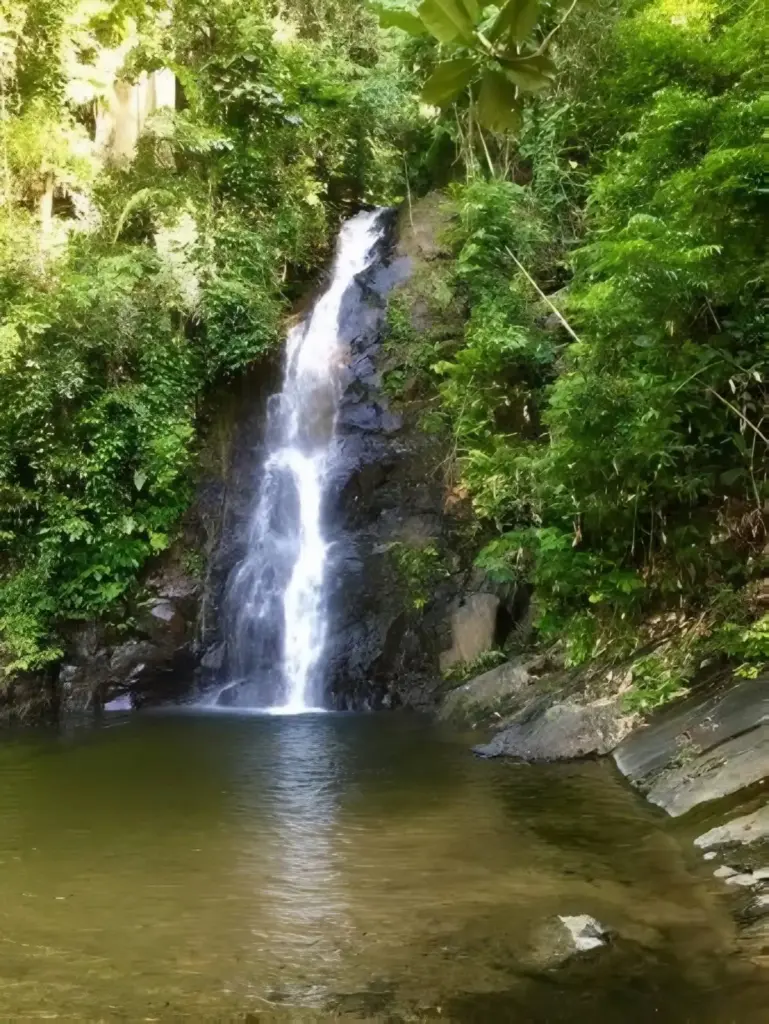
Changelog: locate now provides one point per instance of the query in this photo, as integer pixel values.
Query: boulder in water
(562, 938)
(552, 732)
(585, 931)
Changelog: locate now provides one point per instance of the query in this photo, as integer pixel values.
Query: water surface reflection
(342, 867)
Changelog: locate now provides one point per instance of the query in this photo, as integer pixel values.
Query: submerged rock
(562, 938)
(586, 932)
(749, 828)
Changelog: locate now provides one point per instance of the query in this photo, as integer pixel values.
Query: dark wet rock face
(380, 489)
(389, 642)
(155, 662)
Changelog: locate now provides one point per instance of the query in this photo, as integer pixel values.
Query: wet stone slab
(700, 723)
(728, 768)
(704, 749)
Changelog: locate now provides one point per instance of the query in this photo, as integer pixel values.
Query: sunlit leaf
(517, 18)
(448, 20)
(398, 17)
(448, 80)
(731, 476)
(531, 74)
(499, 108)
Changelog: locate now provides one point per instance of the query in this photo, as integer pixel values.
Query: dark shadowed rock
(388, 492)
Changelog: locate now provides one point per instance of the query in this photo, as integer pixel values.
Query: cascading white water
(276, 599)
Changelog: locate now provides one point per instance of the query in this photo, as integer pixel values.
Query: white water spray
(276, 599)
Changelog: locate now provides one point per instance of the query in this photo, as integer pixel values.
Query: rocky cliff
(405, 602)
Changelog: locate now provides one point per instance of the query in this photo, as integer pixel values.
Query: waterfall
(276, 601)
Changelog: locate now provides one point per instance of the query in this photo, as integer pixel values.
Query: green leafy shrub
(420, 570)
(655, 681)
(621, 453)
(748, 644)
(465, 670)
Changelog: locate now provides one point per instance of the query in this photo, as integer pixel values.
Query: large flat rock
(562, 731)
(721, 771)
(695, 726)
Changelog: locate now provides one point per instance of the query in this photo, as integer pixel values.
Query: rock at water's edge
(749, 828)
(484, 694)
(695, 725)
(562, 732)
(724, 770)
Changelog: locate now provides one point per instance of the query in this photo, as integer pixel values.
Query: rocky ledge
(701, 750)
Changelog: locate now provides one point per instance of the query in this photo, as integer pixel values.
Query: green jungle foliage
(420, 569)
(128, 287)
(606, 397)
(609, 398)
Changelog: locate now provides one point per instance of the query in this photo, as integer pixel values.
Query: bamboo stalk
(539, 291)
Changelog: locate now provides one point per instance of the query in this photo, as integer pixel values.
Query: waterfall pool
(225, 867)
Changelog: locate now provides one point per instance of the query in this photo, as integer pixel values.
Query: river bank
(702, 759)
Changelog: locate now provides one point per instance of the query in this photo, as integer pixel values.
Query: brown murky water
(321, 868)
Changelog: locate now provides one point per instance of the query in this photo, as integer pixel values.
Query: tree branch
(737, 412)
(546, 41)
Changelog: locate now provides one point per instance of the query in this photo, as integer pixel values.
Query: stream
(214, 866)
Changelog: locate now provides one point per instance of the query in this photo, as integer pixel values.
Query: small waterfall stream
(275, 605)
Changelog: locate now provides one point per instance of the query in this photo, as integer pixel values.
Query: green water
(320, 868)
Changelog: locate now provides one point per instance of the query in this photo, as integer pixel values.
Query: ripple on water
(335, 866)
